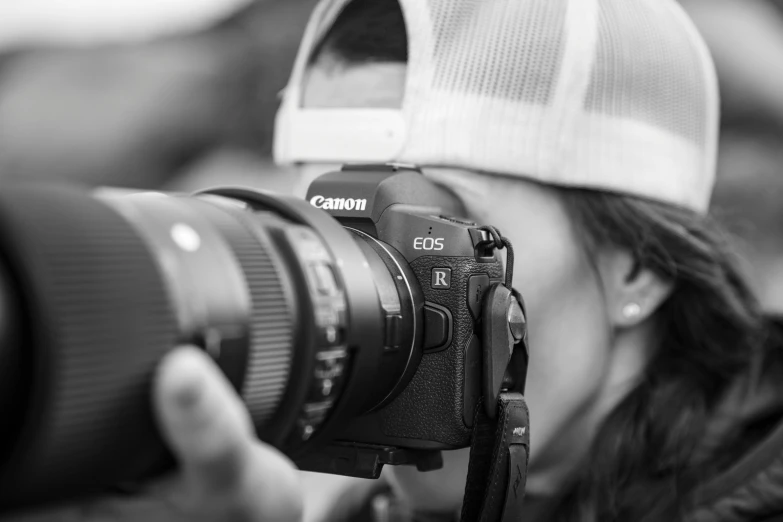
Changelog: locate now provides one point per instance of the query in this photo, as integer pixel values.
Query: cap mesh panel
(642, 74)
(481, 46)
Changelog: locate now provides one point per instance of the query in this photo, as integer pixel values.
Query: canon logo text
(338, 203)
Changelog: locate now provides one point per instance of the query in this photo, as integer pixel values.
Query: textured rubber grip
(97, 321)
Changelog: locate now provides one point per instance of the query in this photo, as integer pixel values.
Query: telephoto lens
(95, 287)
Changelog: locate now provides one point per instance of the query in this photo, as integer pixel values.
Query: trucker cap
(617, 95)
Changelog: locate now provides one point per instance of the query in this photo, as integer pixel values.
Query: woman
(653, 371)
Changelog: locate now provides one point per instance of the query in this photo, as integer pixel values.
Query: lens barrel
(310, 325)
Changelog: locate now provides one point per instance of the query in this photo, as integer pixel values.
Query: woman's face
(569, 329)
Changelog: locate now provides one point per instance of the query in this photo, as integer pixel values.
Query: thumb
(203, 420)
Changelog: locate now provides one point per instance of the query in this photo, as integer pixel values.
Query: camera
(354, 324)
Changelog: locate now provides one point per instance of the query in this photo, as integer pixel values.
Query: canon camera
(365, 325)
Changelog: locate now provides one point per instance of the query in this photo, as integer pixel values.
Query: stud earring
(632, 310)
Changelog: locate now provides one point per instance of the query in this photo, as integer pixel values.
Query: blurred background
(181, 95)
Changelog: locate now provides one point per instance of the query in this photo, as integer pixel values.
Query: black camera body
(398, 210)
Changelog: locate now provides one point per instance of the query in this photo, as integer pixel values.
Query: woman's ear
(633, 293)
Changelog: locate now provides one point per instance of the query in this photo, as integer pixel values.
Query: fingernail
(189, 392)
(185, 374)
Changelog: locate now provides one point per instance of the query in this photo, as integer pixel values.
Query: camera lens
(311, 323)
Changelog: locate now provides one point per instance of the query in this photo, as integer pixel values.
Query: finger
(273, 489)
(203, 420)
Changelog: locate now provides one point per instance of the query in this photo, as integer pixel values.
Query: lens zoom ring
(272, 318)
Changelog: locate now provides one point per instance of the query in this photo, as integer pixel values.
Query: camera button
(393, 339)
(459, 221)
(437, 328)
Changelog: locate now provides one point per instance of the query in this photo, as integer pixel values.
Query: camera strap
(497, 471)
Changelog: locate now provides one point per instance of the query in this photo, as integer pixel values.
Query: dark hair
(367, 31)
(710, 328)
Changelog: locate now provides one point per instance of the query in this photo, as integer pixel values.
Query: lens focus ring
(272, 320)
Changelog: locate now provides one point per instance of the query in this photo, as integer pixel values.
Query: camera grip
(428, 414)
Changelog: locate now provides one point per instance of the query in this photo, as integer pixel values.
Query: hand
(225, 473)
